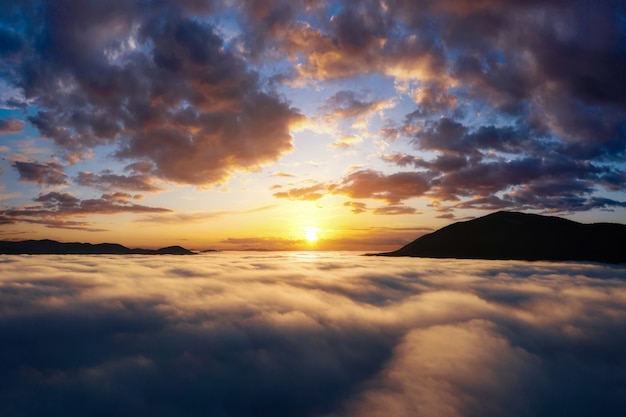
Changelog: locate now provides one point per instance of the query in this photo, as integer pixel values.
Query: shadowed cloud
(498, 100)
(153, 82)
(549, 74)
(55, 209)
(11, 125)
(42, 173)
(109, 181)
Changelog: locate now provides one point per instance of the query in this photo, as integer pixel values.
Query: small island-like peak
(522, 236)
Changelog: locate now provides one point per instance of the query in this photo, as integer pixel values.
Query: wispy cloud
(108, 181)
(11, 126)
(56, 209)
(195, 217)
(42, 173)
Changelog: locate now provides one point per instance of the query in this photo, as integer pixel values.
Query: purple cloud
(42, 173)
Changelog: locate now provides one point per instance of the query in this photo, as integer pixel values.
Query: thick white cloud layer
(309, 334)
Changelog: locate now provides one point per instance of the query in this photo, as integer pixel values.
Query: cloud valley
(318, 334)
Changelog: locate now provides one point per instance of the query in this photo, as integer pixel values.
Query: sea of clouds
(309, 334)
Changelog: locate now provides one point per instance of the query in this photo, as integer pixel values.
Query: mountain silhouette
(511, 235)
(52, 247)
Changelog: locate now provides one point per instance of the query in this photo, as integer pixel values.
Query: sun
(310, 233)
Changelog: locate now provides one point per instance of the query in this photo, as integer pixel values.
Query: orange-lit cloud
(159, 90)
(365, 183)
(11, 125)
(309, 193)
(356, 206)
(395, 209)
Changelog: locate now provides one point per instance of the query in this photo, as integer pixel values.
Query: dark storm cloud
(10, 42)
(57, 209)
(477, 163)
(293, 334)
(156, 82)
(511, 52)
(42, 173)
(489, 177)
(447, 135)
(560, 200)
(556, 69)
(11, 125)
(550, 199)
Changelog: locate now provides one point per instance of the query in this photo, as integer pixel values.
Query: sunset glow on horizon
(310, 233)
(308, 124)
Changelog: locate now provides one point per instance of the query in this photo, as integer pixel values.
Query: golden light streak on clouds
(346, 141)
(431, 366)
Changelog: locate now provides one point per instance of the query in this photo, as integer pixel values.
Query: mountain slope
(511, 235)
(52, 247)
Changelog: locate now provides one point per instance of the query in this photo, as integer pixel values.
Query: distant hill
(511, 235)
(52, 247)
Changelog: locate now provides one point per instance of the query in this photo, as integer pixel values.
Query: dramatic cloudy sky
(310, 334)
(244, 124)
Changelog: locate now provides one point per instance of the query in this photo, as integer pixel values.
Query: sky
(327, 334)
(305, 124)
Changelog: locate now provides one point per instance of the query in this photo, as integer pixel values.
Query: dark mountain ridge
(512, 235)
(52, 247)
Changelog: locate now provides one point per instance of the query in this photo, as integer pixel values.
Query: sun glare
(310, 233)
